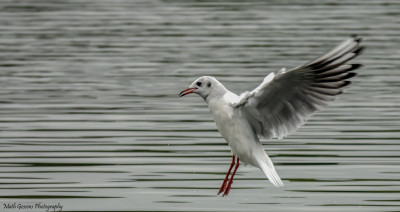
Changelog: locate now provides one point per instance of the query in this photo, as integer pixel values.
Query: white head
(205, 87)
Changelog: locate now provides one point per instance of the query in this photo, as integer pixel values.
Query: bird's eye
(199, 84)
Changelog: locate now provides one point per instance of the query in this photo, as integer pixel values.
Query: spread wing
(284, 101)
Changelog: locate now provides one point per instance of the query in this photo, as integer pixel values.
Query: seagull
(277, 107)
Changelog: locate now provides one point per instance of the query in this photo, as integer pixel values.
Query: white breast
(234, 129)
(223, 116)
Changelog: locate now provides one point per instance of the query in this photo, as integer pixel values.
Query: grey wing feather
(284, 101)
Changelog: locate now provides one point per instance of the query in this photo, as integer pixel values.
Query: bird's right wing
(283, 102)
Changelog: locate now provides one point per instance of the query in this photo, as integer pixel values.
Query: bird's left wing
(284, 101)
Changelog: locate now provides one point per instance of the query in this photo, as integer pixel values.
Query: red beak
(187, 91)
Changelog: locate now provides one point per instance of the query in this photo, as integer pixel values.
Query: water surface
(90, 118)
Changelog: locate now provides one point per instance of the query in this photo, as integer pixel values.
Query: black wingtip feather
(337, 78)
(359, 50)
(346, 83)
(320, 72)
(349, 75)
(356, 66)
(324, 63)
(356, 38)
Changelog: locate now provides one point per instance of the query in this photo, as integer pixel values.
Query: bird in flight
(277, 107)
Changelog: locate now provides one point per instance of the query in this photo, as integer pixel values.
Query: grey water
(90, 116)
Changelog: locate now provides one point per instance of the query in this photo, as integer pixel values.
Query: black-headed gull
(277, 107)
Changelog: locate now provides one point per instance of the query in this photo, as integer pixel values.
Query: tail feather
(268, 168)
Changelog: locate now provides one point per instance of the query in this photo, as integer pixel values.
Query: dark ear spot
(209, 84)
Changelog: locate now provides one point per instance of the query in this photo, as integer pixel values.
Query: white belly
(237, 132)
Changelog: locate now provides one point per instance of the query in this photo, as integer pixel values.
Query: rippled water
(90, 116)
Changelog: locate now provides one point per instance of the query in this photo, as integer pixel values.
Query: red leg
(223, 186)
(228, 188)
